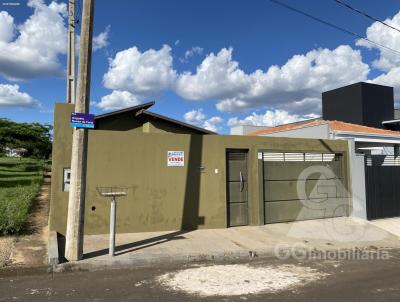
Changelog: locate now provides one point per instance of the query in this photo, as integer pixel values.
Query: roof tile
(333, 125)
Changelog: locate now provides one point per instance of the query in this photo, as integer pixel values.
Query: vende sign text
(176, 159)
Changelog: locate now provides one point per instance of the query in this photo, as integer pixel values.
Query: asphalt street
(347, 280)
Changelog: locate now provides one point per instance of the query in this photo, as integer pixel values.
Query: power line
(334, 26)
(366, 15)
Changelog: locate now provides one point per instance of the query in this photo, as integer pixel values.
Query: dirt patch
(238, 279)
(31, 249)
(6, 247)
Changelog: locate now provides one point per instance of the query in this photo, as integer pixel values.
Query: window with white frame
(299, 156)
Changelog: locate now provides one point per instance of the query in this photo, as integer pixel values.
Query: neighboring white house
(14, 152)
(367, 140)
(364, 115)
(362, 140)
(245, 129)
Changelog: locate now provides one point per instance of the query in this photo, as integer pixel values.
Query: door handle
(241, 181)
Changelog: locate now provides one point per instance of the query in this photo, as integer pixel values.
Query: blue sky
(197, 59)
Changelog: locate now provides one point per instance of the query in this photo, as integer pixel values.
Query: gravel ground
(238, 279)
(6, 247)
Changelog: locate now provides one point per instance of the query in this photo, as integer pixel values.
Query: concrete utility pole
(76, 202)
(71, 54)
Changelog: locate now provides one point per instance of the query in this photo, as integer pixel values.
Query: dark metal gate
(326, 194)
(382, 185)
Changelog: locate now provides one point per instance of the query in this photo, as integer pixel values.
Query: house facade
(362, 114)
(182, 177)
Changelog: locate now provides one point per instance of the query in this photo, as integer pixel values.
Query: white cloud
(294, 87)
(195, 50)
(198, 118)
(304, 106)
(7, 27)
(213, 123)
(388, 61)
(32, 49)
(270, 118)
(101, 40)
(117, 100)
(195, 117)
(301, 79)
(144, 74)
(217, 77)
(135, 76)
(34, 52)
(391, 78)
(98, 42)
(384, 35)
(10, 96)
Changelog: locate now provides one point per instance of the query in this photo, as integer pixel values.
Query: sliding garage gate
(382, 185)
(301, 186)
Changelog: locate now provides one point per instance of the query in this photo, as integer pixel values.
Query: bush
(14, 207)
(20, 180)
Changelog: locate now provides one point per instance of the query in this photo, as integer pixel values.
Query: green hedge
(20, 180)
(15, 203)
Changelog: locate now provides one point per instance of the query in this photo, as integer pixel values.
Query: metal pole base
(112, 226)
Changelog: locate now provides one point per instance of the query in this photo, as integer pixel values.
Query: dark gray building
(360, 103)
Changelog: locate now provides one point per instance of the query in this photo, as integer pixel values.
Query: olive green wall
(161, 197)
(61, 158)
(124, 122)
(162, 126)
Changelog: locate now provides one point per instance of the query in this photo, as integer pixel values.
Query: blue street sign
(82, 120)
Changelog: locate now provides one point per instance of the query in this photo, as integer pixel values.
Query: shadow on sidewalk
(138, 245)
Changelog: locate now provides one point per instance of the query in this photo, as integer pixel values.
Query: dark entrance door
(382, 184)
(237, 187)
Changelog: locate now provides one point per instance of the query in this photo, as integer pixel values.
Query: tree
(34, 137)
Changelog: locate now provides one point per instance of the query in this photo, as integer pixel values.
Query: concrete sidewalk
(142, 249)
(391, 225)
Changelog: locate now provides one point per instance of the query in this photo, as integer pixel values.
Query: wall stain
(157, 200)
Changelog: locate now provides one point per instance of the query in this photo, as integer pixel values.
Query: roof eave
(255, 133)
(171, 120)
(391, 122)
(142, 110)
(368, 137)
(134, 108)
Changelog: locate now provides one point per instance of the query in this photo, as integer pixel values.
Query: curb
(160, 260)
